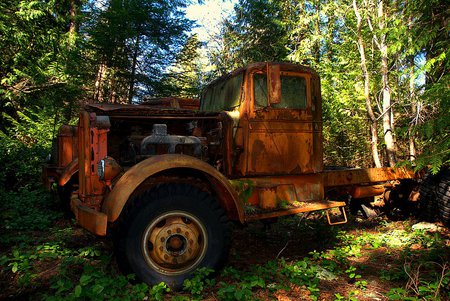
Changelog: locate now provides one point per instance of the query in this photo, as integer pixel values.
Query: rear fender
(130, 181)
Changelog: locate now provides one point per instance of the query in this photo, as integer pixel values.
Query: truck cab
(276, 119)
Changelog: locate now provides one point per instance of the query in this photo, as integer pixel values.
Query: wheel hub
(174, 243)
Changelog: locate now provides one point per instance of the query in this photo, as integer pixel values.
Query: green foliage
(436, 129)
(82, 268)
(37, 211)
(422, 287)
(24, 147)
(198, 283)
(133, 43)
(185, 76)
(258, 31)
(95, 284)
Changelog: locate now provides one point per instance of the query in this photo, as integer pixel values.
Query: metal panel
(367, 175)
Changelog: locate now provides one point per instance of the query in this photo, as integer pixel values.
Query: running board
(307, 207)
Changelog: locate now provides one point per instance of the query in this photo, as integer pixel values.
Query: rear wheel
(443, 196)
(169, 232)
(427, 207)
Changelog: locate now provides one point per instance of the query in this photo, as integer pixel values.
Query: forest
(385, 83)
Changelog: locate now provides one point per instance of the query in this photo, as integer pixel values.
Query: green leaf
(78, 290)
(85, 279)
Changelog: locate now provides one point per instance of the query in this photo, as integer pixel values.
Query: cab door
(280, 123)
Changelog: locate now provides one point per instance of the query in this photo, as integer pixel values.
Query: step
(301, 208)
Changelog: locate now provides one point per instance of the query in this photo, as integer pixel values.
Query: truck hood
(143, 110)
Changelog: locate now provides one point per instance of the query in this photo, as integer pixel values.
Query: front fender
(119, 195)
(68, 172)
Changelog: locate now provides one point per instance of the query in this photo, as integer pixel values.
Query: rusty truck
(166, 181)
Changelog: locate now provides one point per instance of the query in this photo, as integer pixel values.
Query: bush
(23, 149)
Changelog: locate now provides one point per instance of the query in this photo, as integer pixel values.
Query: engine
(159, 142)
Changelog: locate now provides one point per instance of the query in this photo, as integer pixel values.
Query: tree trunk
(99, 83)
(412, 97)
(373, 119)
(133, 70)
(73, 12)
(386, 91)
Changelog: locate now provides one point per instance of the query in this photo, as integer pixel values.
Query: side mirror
(273, 83)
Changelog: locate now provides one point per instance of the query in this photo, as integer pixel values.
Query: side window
(231, 92)
(260, 90)
(293, 92)
(223, 95)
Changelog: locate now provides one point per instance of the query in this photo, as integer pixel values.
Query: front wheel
(170, 231)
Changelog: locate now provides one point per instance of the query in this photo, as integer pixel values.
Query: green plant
(361, 284)
(351, 272)
(27, 210)
(196, 285)
(158, 291)
(95, 284)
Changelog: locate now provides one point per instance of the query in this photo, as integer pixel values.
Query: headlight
(108, 169)
(101, 169)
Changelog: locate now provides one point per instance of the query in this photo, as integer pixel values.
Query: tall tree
(186, 76)
(135, 40)
(258, 31)
(362, 52)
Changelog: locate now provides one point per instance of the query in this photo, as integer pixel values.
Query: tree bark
(373, 119)
(386, 91)
(73, 12)
(133, 70)
(412, 97)
(99, 80)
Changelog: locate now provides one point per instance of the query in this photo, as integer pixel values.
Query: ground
(294, 258)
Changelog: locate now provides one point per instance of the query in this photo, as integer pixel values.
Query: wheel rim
(174, 243)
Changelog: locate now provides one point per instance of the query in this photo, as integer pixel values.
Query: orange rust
(278, 141)
(367, 175)
(93, 221)
(260, 141)
(92, 147)
(123, 189)
(286, 189)
(173, 102)
(67, 144)
(68, 172)
(267, 197)
(308, 207)
(367, 191)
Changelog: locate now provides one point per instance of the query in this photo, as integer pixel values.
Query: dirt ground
(288, 239)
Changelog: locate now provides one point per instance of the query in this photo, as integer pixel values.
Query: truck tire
(64, 193)
(443, 196)
(427, 207)
(170, 231)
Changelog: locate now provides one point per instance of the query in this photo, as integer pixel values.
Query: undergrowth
(58, 261)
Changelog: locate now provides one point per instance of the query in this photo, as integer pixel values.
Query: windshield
(293, 92)
(223, 96)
